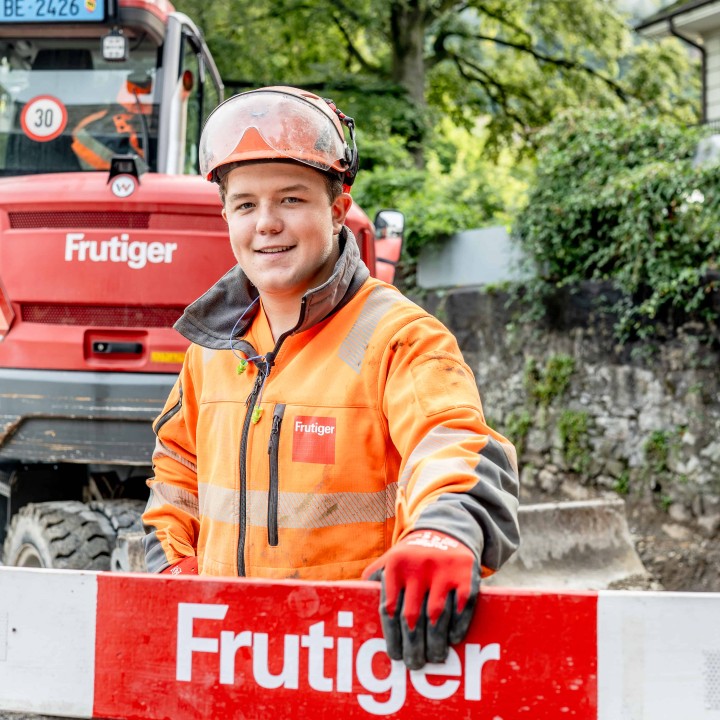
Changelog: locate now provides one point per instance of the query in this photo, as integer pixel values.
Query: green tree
(406, 63)
(448, 93)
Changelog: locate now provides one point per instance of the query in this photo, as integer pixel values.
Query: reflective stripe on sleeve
(440, 472)
(378, 303)
(162, 450)
(438, 439)
(166, 494)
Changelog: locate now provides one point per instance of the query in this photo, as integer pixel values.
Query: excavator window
(63, 108)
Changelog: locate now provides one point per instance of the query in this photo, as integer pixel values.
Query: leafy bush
(434, 206)
(460, 187)
(617, 197)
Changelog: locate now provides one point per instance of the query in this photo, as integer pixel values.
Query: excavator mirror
(188, 81)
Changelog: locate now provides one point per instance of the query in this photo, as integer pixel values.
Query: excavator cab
(64, 108)
(76, 91)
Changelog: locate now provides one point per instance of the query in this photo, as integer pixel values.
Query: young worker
(323, 426)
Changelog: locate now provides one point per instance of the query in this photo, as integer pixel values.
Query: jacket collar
(210, 320)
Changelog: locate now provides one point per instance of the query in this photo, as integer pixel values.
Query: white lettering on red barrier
(118, 249)
(226, 644)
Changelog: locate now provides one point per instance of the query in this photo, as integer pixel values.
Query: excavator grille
(112, 316)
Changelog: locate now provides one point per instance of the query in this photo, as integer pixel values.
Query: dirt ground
(678, 555)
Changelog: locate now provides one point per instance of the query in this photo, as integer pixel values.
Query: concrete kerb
(578, 545)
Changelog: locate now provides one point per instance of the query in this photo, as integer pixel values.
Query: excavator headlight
(115, 46)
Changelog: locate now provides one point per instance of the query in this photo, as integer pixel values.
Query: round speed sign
(43, 118)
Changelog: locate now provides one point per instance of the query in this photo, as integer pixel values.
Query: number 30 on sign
(43, 118)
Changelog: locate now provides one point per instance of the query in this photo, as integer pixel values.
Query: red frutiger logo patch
(314, 440)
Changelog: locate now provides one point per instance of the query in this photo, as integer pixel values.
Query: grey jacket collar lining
(209, 320)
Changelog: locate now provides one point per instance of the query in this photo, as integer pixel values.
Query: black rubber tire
(63, 534)
(122, 515)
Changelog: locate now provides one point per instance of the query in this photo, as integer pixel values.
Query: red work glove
(186, 566)
(430, 583)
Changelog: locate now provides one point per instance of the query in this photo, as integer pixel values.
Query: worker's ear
(224, 214)
(340, 208)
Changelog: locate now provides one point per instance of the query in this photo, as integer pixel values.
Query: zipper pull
(275, 426)
(256, 388)
(275, 429)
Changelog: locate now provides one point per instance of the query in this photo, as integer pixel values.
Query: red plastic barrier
(197, 648)
(87, 645)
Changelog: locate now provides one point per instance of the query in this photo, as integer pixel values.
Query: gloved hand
(430, 583)
(186, 566)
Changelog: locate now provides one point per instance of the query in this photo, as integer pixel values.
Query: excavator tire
(122, 515)
(121, 520)
(66, 535)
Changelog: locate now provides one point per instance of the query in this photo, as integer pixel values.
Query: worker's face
(283, 227)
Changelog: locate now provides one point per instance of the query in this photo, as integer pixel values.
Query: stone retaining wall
(588, 414)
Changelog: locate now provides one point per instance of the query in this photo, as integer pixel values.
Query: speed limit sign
(43, 118)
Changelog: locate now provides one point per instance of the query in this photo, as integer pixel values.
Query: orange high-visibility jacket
(360, 425)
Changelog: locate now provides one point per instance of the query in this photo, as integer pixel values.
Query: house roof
(673, 11)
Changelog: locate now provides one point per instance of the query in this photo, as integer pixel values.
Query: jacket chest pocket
(273, 489)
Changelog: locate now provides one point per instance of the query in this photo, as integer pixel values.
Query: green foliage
(665, 484)
(416, 74)
(517, 426)
(521, 63)
(434, 207)
(658, 77)
(657, 451)
(339, 52)
(573, 429)
(546, 384)
(622, 484)
(402, 65)
(616, 197)
(458, 189)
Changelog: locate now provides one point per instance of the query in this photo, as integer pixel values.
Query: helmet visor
(285, 126)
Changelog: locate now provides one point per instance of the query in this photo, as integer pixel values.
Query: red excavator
(106, 233)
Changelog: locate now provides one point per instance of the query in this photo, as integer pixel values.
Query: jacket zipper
(250, 405)
(273, 451)
(174, 410)
(263, 373)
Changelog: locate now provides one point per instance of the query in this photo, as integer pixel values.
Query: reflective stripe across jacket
(360, 425)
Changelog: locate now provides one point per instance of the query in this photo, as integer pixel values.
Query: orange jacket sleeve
(171, 518)
(457, 475)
